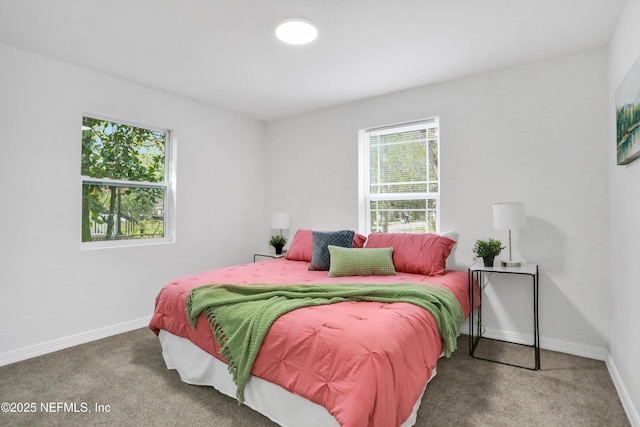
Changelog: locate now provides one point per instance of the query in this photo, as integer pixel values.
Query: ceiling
(224, 52)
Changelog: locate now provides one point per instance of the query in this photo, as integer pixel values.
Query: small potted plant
(278, 242)
(488, 250)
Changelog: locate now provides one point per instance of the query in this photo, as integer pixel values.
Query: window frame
(168, 185)
(365, 197)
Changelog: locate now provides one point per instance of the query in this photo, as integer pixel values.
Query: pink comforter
(365, 362)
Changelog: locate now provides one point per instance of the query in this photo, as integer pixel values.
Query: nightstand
(476, 273)
(267, 254)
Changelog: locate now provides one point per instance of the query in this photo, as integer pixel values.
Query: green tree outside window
(123, 181)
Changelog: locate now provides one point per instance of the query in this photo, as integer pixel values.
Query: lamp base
(511, 263)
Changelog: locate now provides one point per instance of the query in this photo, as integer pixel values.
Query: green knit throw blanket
(241, 315)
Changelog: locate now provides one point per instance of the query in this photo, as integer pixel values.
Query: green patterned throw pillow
(361, 262)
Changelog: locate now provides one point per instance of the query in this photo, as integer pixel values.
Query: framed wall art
(628, 116)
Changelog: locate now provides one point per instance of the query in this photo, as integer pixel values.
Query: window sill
(112, 244)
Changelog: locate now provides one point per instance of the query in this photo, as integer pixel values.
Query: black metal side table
(268, 255)
(476, 272)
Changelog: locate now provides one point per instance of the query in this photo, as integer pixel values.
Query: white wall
(53, 294)
(624, 208)
(534, 133)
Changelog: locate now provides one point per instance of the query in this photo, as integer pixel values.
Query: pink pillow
(301, 248)
(358, 240)
(415, 253)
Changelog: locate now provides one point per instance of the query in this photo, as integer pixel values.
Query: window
(125, 190)
(399, 178)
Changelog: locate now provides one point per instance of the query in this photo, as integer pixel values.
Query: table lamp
(509, 216)
(280, 220)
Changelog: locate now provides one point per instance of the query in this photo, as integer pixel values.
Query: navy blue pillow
(320, 260)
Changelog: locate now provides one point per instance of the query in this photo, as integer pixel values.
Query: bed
(349, 363)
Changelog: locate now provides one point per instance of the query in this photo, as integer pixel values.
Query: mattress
(377, 379)
(197, 367)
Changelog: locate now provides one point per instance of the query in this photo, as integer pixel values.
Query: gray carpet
(127, 373)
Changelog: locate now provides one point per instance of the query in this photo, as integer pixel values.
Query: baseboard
(627, 403)
(580, 350)
(70, 341)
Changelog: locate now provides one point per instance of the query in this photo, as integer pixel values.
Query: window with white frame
(399, 178)
(125, 183)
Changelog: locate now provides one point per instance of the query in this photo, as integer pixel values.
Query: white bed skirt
(196, 366)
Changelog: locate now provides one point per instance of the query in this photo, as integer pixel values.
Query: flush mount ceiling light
(296, 31)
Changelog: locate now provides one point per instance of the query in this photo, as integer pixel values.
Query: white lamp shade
(280, 220)
(509, 216)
